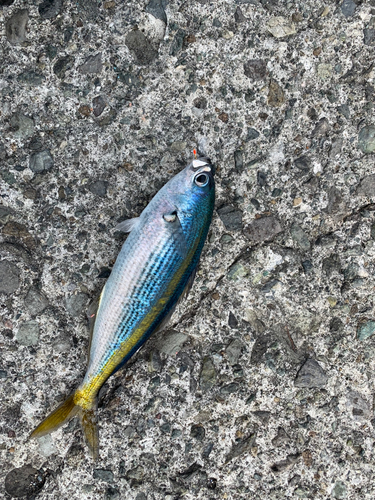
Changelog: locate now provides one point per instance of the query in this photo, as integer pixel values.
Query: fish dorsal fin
(174, 226)
(127, 225)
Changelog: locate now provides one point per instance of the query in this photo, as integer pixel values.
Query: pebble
(41, 162)
(311, 374)
(251, 134)
(177, 42)
(103, 475)
(93, 64)
(208, 374)
(285, 464)
(280, 27)
(238, 159)
(281, 437)
(136, 473)
(25, 480)
(336, 147)
(22, 126)
(276, 95)
(321, 128)
(232, 321)
(156, 9)
(35, 302)
(336, 202)
(229, 388)
(339, 490)
(255, 69)
(88, 9)
(98, 105)
(300, 237)
(99, 188)
(365, 329)
(303, 163)
(141, 496)
(76, 303)
(366, 139)
(63, 65)
(9, 277)
(19, 231)
(348, 8)
(231, 217)
(367, 186)
(15, 27)
(368, 36)
(28, 333)
(5, 213)
(241, 446)
(50, 8)
(197, 431)
(233, 351)
(263, 229)
(141, 47)
(237, 271)
(359, 408)
(171, 342)
(238, 16)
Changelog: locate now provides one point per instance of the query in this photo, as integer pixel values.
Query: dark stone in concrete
(141, 47)
(310, 375)
(255, 69)
(15, 27)
(9, 277)
(50, 8)
(41, 162)
(24, 481)
(156, 9)
(264, 229)
(231, 218)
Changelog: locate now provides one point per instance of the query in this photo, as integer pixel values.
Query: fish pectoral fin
(63, 413)
(174, 226)
(127, 225)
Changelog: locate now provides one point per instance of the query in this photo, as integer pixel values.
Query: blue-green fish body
(155, 266)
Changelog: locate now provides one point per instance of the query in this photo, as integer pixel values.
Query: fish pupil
(201, 179)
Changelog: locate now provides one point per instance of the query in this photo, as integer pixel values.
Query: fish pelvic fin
(69, 409)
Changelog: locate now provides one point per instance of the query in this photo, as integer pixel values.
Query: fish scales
(155, 265)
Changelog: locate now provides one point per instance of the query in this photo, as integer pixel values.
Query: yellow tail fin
(65, 412)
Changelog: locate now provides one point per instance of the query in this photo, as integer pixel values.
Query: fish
(154, 270)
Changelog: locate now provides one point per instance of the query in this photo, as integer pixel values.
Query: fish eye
(201, 180)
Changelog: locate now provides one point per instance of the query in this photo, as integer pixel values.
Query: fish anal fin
(127, 225)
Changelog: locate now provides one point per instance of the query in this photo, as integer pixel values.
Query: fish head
(194, 187)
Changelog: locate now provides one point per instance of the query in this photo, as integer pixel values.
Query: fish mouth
(202, 164)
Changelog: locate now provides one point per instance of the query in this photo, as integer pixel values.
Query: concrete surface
(263, 386)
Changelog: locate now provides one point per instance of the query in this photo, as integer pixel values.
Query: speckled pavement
(262, 387)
